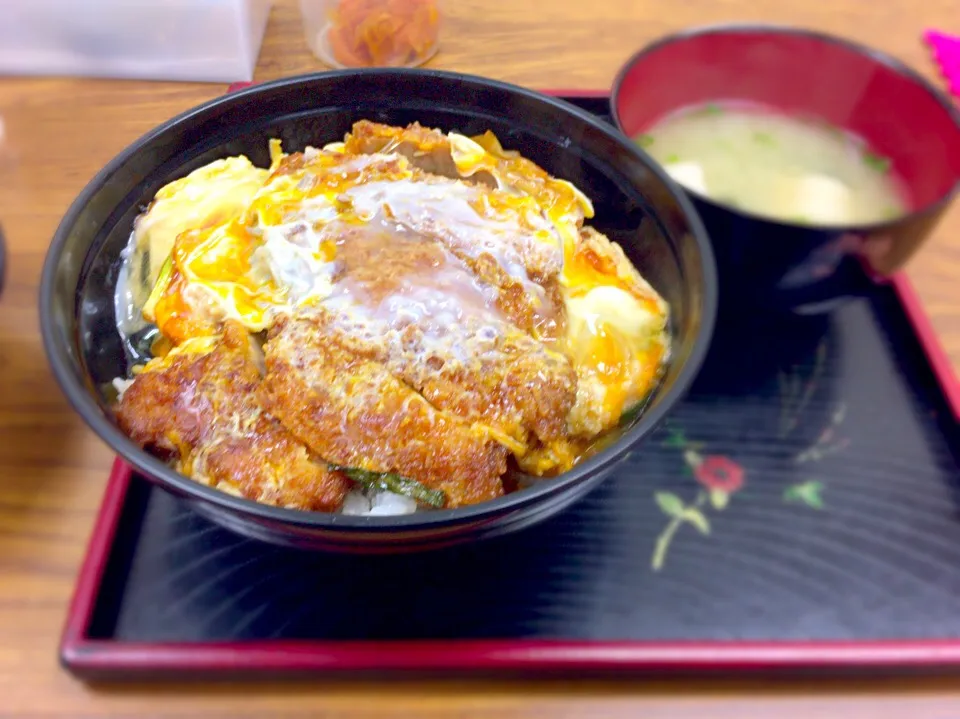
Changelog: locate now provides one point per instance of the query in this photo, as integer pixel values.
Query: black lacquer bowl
(636, 204)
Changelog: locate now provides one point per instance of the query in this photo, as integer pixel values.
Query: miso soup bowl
(780, 265)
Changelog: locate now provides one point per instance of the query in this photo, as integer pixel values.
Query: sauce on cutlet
(403, 279)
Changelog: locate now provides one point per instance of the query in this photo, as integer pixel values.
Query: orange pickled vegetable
(366, 33)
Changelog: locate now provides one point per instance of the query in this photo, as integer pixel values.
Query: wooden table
(59, 132)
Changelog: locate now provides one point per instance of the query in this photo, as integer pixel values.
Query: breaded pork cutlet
(201, 409)
(353, 412)
(410, 304)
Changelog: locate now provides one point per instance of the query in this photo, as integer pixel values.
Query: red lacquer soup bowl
(777, 264)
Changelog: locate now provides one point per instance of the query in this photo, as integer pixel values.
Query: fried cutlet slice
(353, 412)
(502, 236)
(426, 148)
(201, 409)
(421, 312)
(500, 185)
(480, 160)
(504, 246)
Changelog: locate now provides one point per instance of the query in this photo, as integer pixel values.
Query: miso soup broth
(777, 166)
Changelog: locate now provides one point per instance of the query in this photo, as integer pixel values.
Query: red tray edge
(936, 354)
(86, 656)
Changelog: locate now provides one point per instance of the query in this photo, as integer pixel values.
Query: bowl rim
(877, 56)
(82, 401)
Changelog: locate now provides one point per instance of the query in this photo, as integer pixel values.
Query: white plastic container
(198, 40)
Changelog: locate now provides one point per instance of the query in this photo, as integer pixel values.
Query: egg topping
(497, 251)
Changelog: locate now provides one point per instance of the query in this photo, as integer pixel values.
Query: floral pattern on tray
(707, 482)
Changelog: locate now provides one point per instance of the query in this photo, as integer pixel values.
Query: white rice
(365, 503)
(121, 385)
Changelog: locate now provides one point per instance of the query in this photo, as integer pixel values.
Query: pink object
(946, 52)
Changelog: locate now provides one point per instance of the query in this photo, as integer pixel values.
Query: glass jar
(372, 33)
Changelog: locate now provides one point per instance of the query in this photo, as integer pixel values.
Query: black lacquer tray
(799, 509)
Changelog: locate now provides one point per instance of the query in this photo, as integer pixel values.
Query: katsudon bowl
(635, 203)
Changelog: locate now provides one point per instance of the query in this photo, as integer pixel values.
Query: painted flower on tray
(828, 441)
(719, 478)
(716, 472)
(808, 493)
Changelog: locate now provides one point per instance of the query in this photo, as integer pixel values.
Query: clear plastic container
(196, 40)
(372, 33)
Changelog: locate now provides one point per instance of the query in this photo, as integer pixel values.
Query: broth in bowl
(786, 168)
(801, 212)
